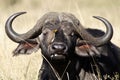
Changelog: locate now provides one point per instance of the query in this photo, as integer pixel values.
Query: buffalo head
(59, 35)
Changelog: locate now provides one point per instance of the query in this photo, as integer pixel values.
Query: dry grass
(26, 67)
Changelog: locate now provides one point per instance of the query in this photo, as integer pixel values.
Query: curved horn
(19, 37)
(100, 40)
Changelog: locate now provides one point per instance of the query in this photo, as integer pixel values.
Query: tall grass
(26, 67)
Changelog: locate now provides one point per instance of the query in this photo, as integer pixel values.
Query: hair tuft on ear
(26, 48)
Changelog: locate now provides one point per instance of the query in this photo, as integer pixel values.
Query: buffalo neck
(60, 67)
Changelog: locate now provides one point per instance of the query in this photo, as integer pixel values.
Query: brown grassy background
(26, 67)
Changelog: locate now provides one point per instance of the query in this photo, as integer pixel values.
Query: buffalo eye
(45, 32)
(72, 34)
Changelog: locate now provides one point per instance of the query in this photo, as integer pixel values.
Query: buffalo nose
(59, 46)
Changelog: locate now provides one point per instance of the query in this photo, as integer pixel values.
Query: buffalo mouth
(58, 56)
(58, 51)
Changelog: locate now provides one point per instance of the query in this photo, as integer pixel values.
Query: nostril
(58, 47)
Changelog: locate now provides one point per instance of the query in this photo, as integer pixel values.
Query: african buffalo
(70, 52)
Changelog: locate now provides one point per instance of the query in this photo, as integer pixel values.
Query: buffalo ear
(86, 50)
(26, 48)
